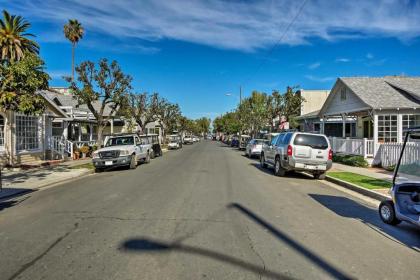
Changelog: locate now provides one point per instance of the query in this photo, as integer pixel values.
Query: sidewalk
(21, 181)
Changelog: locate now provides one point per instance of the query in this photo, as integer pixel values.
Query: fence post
(365, 148)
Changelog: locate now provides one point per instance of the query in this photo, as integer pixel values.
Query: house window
(411, 121)
(387, 128)
(1, 132)
(343, 94)
(27, 133)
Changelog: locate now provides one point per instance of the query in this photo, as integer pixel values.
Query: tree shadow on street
(146, 245)
(404, 234)
(307, 253)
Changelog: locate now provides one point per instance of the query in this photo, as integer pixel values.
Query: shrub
(351, 160)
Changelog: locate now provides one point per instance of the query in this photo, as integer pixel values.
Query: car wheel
(133, 162)
(278, 169)
(262, 161)
(152, 154)
(99, 170)
(387, 213)
(320, 176)
(147, 159)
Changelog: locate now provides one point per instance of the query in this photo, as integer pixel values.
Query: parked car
(195, 139)
(121, 150)
(153, 140)
(188, 139)
(174, 142)
(254, 147)
(243, 141)
(298, 151)
(234, 142)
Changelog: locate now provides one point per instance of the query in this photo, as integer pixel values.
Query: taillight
(330, 154)
(289, 150)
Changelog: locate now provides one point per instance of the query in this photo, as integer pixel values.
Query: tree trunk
(72, 61)
(99, 141)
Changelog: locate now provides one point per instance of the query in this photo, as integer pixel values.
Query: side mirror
(102, 146)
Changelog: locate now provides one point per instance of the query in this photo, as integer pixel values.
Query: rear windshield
(257, 142)
(313, 141)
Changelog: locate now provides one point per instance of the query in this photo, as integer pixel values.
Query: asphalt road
(203, 212)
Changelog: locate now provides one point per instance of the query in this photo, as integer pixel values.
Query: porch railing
(351, 146)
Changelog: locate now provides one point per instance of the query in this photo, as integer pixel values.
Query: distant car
(254, 147)
(234, 142)
(188, 140)
(174, 142)
(243, 141)
(122, 150)
(196, 139)
(298, 151)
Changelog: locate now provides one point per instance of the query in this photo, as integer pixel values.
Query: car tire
(152, 154)
(133, 162)
(262, 161)
(320, 176)
(278, 169)
(147, 159)
(99, 170)
(387, 213)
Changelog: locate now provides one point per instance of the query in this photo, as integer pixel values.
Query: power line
(278, 41)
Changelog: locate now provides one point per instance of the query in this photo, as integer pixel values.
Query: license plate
(315, 167)
(108, 162)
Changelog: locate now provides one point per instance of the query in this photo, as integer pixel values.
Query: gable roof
(69, 101)
(53, 106)
(382, 93)
(388, 92)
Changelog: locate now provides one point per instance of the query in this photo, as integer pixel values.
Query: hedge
(351, 160)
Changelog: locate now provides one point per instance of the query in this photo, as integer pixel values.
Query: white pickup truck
(122, 150)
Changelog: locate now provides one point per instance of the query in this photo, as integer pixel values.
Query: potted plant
(76, 153)
(84, 150)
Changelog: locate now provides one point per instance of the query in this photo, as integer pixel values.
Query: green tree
(287, 105)
(15, 42)
(19, 82)
(73, 31)
(253, 112)
(203, 125)
(105, 88)
(169, 114)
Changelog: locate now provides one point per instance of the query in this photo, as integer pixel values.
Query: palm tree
(73, 31)
(14, 41)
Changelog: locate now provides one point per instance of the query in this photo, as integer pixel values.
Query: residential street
(201, 212)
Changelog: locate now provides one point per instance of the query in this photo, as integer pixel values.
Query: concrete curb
(356, 188)
(47, 185)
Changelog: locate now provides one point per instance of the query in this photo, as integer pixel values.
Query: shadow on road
(10, 202)
(289, 174)
(144, 245)
(405, 234)
(311, 256)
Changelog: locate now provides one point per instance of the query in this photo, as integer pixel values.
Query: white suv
(124, 150)
(298, 151)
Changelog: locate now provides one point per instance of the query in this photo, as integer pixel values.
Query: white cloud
(314, 65)
(245, 26)
(369, 56)
(342, 59)
(320, 79)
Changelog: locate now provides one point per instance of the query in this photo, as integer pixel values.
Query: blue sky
(194, 52)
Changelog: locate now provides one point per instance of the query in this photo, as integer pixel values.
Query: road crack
(251, 245)
(40, 256)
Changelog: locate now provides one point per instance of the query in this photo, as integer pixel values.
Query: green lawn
(361, 180)
(86, 165)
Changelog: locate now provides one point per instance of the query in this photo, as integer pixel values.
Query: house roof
(52, 104)
(386, 92)
(68, 100)
(310, 115)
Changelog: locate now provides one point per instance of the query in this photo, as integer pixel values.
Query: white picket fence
(390, 152)
(352, 146)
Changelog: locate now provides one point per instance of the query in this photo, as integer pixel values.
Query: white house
(382, 108)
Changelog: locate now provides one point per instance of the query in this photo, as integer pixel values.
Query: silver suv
(298, 151)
